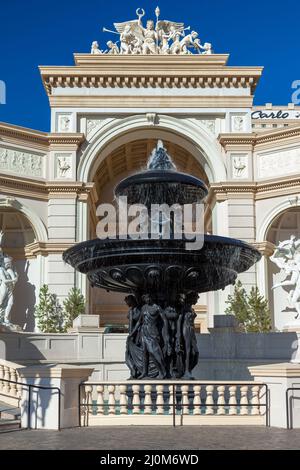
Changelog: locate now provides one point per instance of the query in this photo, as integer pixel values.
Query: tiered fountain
(162, 278)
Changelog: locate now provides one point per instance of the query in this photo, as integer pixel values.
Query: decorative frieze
(279, 163)
(23, 163)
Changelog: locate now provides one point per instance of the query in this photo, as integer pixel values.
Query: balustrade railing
(10, 392)
(177, 403)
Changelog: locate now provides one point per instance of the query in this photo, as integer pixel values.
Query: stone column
(217, 299)
(44, 408)
(241, 221)
(278, 378)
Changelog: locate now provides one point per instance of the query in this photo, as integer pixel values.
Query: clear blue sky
(32, 33)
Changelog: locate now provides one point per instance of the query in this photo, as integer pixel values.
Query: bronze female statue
(173, 350)
(149, 323)
(133, 339)
(188, 333)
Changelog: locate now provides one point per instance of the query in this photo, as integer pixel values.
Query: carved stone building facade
(107, 112)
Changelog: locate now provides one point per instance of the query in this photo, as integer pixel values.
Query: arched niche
(188, 133)
(19, 236)
(285, 224)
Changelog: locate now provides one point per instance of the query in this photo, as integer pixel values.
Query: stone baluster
(262, 398)
(111, 400)
(83, 401)
(221, 400)
(232, 400)
(88, 398)
(197, 400)
(13, 386)
(6, 385)
(255, 400)
(148, 400)
(160, 400)
(244, 400)
(172, 399)
(185, 399)
(1, 377)
(100, 399)
(136, 402)
(209, 409)
(123, 400)
(19, 387)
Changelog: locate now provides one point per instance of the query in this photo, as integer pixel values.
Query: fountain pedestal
(85, 324)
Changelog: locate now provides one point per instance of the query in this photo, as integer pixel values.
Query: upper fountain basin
(162, 186)
(147, 264)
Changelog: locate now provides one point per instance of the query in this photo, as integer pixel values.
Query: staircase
(10, 396)
(10, 417)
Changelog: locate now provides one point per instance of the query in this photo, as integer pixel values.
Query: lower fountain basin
(161, 265)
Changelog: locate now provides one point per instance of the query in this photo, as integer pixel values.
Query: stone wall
(224, 353)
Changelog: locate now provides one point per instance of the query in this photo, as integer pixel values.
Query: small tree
(237, 304)
(251, 310)
(74, 305)
(49, 312)
(259, 313)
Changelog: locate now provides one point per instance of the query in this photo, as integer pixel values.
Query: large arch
(190, 134)
(101, 154)
(276, 211)
(36, 223)
(197, 139)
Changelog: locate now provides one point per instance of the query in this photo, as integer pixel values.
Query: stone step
(9, 424)
(8, 411)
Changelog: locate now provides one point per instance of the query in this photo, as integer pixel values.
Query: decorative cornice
(151, 102)
(14, 185)
(38, 248)
(127, 71)
(17, 186)
(222, 190)
(278, 134)
(92, 80)
(279, 183)
(23, 133)
(278, 187)
(44, 139)
(66, 139)
(256, 138)
(237, 139)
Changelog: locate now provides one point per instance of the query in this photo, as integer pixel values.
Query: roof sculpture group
(160, 37)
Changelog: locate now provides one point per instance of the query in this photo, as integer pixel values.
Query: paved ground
(153, 438)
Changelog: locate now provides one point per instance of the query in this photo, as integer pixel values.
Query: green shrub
(251, 310)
